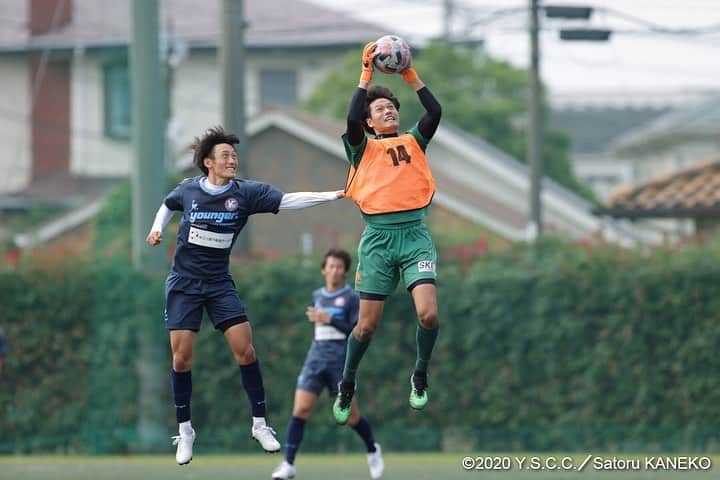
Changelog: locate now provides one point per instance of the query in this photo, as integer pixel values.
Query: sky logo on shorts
(231, 204)
(426, 266)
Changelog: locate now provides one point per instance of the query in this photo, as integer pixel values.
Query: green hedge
(600, 349)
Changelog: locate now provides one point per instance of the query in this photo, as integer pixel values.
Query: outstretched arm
(298, 200)
(430, 121)
(356, 117)
(356, 112)
(162, 217)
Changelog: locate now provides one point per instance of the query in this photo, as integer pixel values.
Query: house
(67, 113)
(686, 202)
(64, 105)
(477, 185)
(672, 142)
(622, 138)
(593, 121)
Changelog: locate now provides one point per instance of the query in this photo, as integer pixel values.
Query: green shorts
(387, 252)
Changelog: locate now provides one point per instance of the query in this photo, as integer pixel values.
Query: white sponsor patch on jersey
(205, 238)
(328, 332)
(426, 266)
(339, 301)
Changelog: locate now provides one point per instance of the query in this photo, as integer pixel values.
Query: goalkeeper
(390, 181)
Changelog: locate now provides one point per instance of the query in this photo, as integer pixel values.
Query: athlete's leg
(369, 316)
(309, 385)
(362, 427)
(358, 341)
(302, 408)
(425, 298)
(181, 345)
(239, 337)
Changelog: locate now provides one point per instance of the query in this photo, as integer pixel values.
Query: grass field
(311, 467)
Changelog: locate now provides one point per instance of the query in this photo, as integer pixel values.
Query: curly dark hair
(337, 253)
(204, 145)
(373, 93)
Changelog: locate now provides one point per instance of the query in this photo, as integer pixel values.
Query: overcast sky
(630, 62)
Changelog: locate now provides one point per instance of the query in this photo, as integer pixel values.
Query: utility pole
(232, 65)
(447, 20)
(535, 227)
(149, 111)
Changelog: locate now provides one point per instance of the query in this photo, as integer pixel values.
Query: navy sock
(182, 391)
(363, 429)
(294, 437)
(253, 383)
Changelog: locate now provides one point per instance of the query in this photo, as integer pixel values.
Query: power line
(656, 27)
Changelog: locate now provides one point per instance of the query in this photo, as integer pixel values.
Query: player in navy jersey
(215, 208)
(334, 312)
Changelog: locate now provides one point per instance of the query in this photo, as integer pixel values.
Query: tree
(484, 96)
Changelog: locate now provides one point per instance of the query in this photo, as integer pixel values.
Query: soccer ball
(392, 54)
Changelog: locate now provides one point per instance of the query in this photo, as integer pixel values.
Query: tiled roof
(693, 192)
(271, 23)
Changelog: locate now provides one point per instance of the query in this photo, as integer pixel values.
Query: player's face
(224, 164)
(384, 117)
(334, 271)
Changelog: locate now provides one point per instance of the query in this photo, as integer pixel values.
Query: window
(117, 100)
(278, 87)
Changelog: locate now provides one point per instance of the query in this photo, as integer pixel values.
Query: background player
(334, 312)
(215, 208)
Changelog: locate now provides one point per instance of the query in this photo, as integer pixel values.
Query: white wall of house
(15, 132)
(603, 172)
(195, 104)
(91, 152)
(668, 161)
(195, 98)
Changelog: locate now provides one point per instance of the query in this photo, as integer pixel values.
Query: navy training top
(211, 222)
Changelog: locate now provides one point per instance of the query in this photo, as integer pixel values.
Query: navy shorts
(323, 367)
(186, 297)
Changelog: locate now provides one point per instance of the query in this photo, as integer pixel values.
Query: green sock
(425, 343)
(355, 351)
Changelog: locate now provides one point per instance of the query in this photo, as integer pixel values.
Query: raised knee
(365, 332)
(301, 412)
(182, 361)
(245, 356)
(428, 319)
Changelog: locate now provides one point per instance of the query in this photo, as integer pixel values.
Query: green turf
(316, 467)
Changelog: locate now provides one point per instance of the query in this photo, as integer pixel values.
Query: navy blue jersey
(342, 307)
(211, 222)
(3, 343)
